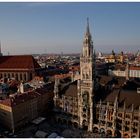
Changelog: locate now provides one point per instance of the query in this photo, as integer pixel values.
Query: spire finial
(88, 32)
(87, 21)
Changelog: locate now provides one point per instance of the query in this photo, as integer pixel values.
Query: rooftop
(19, 98)
(18, 62)
(71, 89)
(127, 96)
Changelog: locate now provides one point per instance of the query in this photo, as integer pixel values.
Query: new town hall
(99, 104)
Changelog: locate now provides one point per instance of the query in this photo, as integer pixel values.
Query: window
(66, 107)
(84, 115)
(109, 124)
(20, 76)
(31, 76)
(126, 128)
(135, 117)
(84, 109)
(12, 74)
(119, 127)
(119, 114)
(127, 116)
(85, 97)
(16, 76)
(24, 76)
(134, 130)
(135, 124)
(8, 75)
(119, 121)
(127, 122)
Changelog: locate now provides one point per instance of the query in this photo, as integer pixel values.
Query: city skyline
(28, 28)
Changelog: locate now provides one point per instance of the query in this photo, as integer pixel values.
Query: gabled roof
(18, 62)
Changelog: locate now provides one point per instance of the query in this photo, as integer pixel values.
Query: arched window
(127, 116)
(85, 98)
(84, 115)
(120, 114)
(8, 75)
(16, 77)
(84, 109)
(66, 107)
(31, 76)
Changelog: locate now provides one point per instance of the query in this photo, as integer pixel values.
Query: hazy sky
(59, 27)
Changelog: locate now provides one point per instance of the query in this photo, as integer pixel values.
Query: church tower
(86, 83)
(0, 50)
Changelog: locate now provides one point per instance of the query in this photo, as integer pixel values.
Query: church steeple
(0, 49)
(88, 30)
(0, 46)
(87, 44)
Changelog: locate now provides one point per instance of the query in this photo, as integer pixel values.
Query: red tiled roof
(19, 98)
(18, 62)
(23, 97)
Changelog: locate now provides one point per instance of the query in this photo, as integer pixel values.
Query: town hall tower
(86, 82)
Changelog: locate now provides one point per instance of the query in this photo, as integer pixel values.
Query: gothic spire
(87, 31)
(0, 49)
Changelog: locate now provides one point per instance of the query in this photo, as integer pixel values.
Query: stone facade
(95, 107)
(85, 84)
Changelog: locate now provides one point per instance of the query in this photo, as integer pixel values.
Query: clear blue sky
(59, 27)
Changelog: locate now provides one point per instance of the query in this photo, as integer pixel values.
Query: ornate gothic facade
(99, 104)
